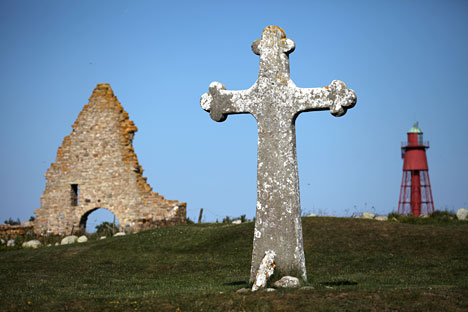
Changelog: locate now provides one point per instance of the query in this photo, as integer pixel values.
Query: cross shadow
(340, 283)
(236, 283)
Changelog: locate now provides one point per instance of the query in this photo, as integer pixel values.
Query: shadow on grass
(237, 283)
(339, 283)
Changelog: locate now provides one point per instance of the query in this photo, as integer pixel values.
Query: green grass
(353, 265)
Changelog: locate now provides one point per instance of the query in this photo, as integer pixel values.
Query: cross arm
(336, 97)
(220, 102)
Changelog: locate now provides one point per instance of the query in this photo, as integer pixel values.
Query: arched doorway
(98, 217)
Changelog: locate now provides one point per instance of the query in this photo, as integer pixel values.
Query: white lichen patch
(205, 101)
(266, 269)
(258, 234)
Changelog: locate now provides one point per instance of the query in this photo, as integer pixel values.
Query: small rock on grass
(270, 289)
(368, 215)
(119, 234)
(82, 239)
(287, 282)
(32, 244)
(69, 240)
(462, 214)
(243, 291)
(307, 288)
(381, 218)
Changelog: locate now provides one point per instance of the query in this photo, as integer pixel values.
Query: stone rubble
(15, 230)
(27, 224)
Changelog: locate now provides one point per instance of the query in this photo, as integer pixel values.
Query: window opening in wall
(74, 194)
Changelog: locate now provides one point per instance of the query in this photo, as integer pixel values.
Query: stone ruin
(96, 167)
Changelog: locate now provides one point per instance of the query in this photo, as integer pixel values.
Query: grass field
(352, 264)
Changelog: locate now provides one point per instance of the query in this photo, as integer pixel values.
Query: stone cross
(275, 102)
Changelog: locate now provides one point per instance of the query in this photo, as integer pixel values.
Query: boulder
(424, 216)
(462, 214)
(69, 240)
(236, 222)
(119, 234)
(103, 237)
(368, 215)
(32, 244)
(2, 241)
(11, 243)
(270, 289)
(287, 282)
(381, 218)
(82, 239)
(266, 269)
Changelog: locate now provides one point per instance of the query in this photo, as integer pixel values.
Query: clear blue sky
(406, 60)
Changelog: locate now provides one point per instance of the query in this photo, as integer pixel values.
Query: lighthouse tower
(415, 192)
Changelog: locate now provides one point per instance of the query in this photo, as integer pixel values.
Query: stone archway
(84, 218)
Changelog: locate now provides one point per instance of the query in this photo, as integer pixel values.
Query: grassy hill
(353, 264)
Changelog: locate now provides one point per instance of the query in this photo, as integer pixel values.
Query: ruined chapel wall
(99, 158)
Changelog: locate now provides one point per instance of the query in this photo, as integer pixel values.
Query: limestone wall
(96, 167)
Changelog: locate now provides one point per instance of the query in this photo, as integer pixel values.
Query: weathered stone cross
(275, 102)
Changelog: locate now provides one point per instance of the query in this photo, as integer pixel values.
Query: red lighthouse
(415, 192)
